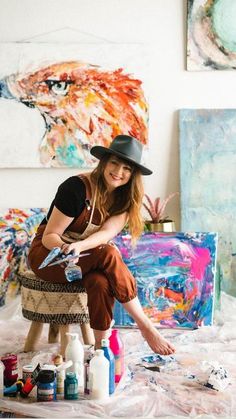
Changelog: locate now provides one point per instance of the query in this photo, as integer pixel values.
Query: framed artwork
(59, 100)
(175, 278)
(211, 38)
(207, 177)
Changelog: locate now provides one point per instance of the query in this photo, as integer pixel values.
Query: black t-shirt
(70, 198)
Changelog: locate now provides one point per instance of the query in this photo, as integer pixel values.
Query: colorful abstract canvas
(208, 187)
(17, 228)
(175, 278)
(64, 99)
(211, 35)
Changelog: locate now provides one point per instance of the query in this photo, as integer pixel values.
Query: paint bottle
(30, 382)
(88, 354)
(11, 369)
(27, 371)
(117, 348)
(110, 357)
(75, 352)
(46, 386)
(60, 374)
(99, 376)
(1, 378)
(71, 388)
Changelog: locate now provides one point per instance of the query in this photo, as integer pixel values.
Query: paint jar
(27, 371)
(46, 386)
(11, 369)
(71, 389)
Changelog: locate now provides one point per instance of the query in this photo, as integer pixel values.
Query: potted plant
(156, 209)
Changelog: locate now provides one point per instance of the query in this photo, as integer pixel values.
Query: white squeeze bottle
(75, 352)
(1, 378)
(99, 376)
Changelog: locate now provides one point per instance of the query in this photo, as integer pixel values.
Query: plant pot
(167, 226)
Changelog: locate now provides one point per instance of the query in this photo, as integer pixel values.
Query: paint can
(11, 369)
(27, 371)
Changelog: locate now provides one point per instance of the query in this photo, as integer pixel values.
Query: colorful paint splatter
(17, 227)
(208, 187)
(211, 35)
(175, 277)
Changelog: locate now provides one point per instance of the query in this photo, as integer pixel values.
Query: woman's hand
(73, 248)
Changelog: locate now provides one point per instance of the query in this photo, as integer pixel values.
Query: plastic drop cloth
(172, 389)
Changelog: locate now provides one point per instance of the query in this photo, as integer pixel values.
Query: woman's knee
(96, 281)
(109, 252)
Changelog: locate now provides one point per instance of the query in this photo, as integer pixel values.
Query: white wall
(160, 22)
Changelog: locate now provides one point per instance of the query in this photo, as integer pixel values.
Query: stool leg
(33, 336)
(53, 333)
(63, 329)
(87, 333)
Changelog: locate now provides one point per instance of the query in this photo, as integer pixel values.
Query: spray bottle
(75, 352)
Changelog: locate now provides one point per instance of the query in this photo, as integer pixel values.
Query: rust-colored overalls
(105, 275)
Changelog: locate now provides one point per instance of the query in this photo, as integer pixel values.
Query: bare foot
(156, 342)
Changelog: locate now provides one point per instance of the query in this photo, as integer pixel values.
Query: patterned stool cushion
(48, 302)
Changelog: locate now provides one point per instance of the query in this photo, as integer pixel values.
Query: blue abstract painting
(175, 275)
(208, 186)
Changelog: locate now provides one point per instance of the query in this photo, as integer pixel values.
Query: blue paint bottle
(46, 386)
(71, 389)
(110, 356)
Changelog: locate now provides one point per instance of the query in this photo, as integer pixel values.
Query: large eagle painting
(82, 105)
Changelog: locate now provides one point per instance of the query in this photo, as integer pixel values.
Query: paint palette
(175, 275)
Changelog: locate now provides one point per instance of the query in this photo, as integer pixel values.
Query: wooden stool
(57, 304)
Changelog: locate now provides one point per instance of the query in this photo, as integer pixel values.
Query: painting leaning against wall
(17, 228)
(175, 278)
(80, 104)
(211, 40)
(207, 177)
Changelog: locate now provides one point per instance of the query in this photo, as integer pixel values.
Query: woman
(87, 212)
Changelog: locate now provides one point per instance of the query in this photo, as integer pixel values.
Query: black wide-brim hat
(126, 148)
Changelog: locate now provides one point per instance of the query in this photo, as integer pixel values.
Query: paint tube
(30, 382)
(13, 389)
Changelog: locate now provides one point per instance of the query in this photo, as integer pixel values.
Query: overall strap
(87, 187)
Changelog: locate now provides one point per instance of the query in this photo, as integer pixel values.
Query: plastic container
(99, 376)
(71, 388)
(27, 371)
(60, 374)
(46, 386)
(2, 367)
(11, 369)
(117, 348)
(110, 357)
(75, 352)
(73, 272)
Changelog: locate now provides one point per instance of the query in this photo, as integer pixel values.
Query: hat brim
(99, 151)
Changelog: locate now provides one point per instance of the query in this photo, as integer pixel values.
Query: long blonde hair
(127, 197)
